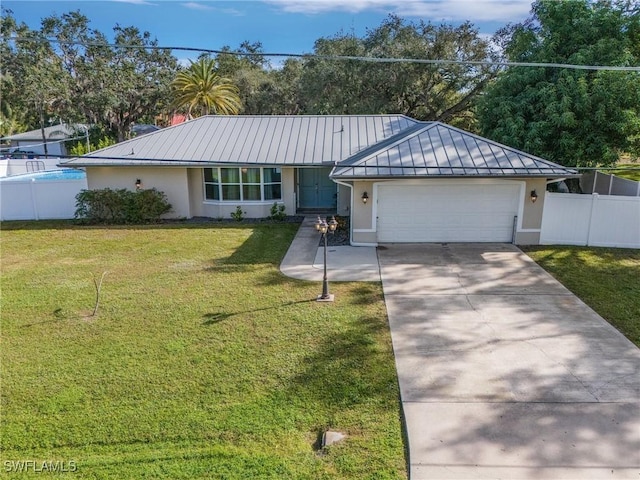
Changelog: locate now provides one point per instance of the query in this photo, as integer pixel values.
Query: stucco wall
(343, 206)
(362, 212)
(172, 181)
(289, 190)
(528, 232)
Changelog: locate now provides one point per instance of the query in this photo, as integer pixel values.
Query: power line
(550, 169)
(347, 57)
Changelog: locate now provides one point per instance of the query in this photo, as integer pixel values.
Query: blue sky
(282, 26)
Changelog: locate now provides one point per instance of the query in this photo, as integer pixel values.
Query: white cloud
(196, 6)
(451, 10)
(232, 11)
(136, 2)
(207, 7)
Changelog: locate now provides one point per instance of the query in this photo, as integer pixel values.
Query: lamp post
(325, 227)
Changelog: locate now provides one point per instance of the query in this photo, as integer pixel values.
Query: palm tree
(203, 91)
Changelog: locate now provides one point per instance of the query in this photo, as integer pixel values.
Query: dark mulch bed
(341, 236)
(244, 221)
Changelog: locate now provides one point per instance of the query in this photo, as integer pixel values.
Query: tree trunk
(44, 137)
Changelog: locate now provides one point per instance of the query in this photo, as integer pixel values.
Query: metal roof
(60, 131)
(434, 149)
(299, 140)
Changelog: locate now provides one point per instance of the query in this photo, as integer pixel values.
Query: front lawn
(606, 279)
(203, 360)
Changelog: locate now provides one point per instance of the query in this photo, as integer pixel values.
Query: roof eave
(458, 176)
(93, 162)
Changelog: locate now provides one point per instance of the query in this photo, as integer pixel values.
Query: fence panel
(605, 184)
(34, 200)
(592, 220)
(16, 201)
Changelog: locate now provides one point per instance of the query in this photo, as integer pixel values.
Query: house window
(272, 184)
(242, 184)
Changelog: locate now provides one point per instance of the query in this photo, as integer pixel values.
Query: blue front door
(316, 189)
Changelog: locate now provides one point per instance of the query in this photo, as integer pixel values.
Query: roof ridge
(386, 144)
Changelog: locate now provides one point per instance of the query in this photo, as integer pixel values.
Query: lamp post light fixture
(324, 227)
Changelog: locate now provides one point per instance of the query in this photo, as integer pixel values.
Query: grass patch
(203, 361)
(606, 279)
(630, 171)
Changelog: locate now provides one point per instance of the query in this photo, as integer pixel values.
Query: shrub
(277, 212)
(121, 206)
(238, 215)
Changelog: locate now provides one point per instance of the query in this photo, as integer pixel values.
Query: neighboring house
(422, 181)
(55, 135)
(142, 129)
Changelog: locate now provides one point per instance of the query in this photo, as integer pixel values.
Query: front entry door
(316, 189)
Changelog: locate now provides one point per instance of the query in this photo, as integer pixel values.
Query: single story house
(399, 179)
(55, 136)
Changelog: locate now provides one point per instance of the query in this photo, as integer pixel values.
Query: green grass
(606, 279)
(630, 171)
(203, 360)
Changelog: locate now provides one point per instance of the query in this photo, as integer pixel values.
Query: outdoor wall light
(365, 197)
(534, 196)
(325, 227)
(138, 184)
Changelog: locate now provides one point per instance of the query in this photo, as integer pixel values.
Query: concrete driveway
(503, 372)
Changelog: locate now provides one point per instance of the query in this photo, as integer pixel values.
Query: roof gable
(434, 149)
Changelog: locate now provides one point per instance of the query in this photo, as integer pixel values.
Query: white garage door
(444, 212)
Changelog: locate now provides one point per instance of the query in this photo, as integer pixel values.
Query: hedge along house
(424, 181)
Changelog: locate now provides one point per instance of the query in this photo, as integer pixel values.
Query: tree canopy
(426, 92)
(85, 77)
(573, 117)
(71, 72)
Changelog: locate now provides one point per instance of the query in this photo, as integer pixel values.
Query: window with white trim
(245, 184)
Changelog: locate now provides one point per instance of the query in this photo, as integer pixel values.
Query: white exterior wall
(591, 220)
(54, 147)
(172, 181)
(29, 199)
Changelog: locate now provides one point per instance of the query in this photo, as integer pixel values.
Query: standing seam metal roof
(305, 140)
(435, 149)
(358, 146)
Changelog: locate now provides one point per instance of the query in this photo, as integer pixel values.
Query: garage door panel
(447, 213)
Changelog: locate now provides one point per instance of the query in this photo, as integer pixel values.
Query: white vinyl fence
(592, 220)
(28, 199)
(18, 166)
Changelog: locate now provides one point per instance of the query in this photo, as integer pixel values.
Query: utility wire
(347, 57)
(93, 156)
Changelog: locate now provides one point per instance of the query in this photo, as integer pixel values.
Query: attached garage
(447, 211)
(436, 183)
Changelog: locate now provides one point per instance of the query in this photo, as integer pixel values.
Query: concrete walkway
(304, 259)
(504, 373)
